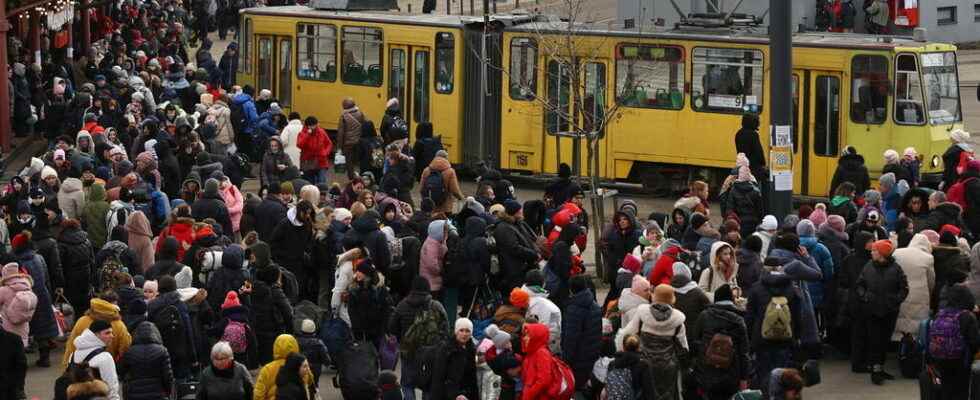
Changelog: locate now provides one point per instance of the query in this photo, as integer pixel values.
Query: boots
(878, 375)
(44, 355)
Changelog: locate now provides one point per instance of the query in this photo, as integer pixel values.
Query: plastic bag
(64, 315)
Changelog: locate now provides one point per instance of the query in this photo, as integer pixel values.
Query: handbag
(64, 315)
(389, 352)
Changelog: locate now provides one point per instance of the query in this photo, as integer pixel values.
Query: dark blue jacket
(43, 324)
(581, 332)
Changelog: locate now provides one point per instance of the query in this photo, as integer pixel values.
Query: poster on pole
(783, 181)
(781, 159)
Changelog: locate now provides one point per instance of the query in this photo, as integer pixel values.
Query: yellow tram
(679, 94)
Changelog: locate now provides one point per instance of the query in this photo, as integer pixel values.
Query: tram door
(566, 112)
(409, 80)
(275, 68)
(817, 130)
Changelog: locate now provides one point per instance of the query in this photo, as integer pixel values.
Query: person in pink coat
(234, 201)
(17, 301)
(433, 254)
(140, 239)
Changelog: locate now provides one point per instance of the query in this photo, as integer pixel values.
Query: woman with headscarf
(140, 240)
(433, 255)
(893, 164)
(955, 157)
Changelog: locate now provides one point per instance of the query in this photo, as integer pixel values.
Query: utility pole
(4, 92)
(781, 112)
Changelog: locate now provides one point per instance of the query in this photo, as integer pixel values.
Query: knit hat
(891, 156)
(952, 229)
(947, 238)
(932, 235)
(442, 154)
(805, 228)
(499, 337)
(507, 360)
(341, 214)
(680, 268)
(519, 298)
(534, 277)
(697, 220)
(211, 186)
(663, 294)
(99, 325)
(463, 323)
(640, 285)
(474, 206)
(804, 211)
(873, 216)
(819, 215)
(184, 278)
(836, 222)
(308, 326)
(959, 136)
(724, 293)
(632, 263)
(20, 241)
(420, 284)
(883, 247)
(275, 109)
(231, 300)
(872, 197)
(769, 223)
(167, 284)
(11, 271)
(511, 206)
(887, 180)
(497, 208)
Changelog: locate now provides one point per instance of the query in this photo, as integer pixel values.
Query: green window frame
(727, 80)
(650, 76)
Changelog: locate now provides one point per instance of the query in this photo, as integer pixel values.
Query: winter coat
(825, 261)
(802, 270)
(581, 333)
(772, 284)
(714, 278)
(43, 324)
(89, 390)
(265, 384)
(433, 255)
(235, 203)
(747, 141)
(88, 342)
(290, 241)
(721, 318)
(455, 375)
(13, 365)
(658, 320)
(225, 134)
(951, 264)
(183, 353)
(248, 112)
(349, 128)
(745, 199)
(663, 270)
(851, 168)
(640, 371)
(690, 298)
(951, 159)
(971, 215)
(943, 214)
(516, 251)
(76, 254)
(627, 304)
(749, 268)
(616, 243)
(475, 261)
(140, 239)
(536, 368)
(271, 174)
(409, 308)
(916, 266)
(230, 277)
(145, 368)
(182, 230)
(369, 306)
(450, 184)
(212, 205)
(219, 386)
(290, 140)
(881, 289)
(11, 312)
(546, 313)
(71, 199)
(973, 279)
(104, 311)
(366, 230)
(315, 145)
(268, 215)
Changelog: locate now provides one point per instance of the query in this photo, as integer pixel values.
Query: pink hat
(932, 235)
(640, 286)
(836, 222)
(818, 217)
(11, 271)
(231, 300)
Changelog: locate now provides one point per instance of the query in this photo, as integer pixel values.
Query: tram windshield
(942, 87)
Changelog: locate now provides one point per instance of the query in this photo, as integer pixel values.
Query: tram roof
(541, 25)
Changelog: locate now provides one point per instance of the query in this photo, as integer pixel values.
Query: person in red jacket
(568, 213)
(663, 270)
(536, 369)
(315, 148)
(181, 227)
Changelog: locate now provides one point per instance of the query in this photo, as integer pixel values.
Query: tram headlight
(935, 161)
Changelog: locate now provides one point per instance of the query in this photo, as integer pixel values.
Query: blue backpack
(336, 335)
(434, 187)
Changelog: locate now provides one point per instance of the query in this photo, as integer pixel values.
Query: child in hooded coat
(17, 301)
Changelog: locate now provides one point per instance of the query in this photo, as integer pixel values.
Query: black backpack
(434, 188)
(171, 328)
(61, 384)
(429, 358)
(357, 372)
(237, 117)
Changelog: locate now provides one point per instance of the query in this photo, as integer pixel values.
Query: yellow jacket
(265, 385)
(100, 310)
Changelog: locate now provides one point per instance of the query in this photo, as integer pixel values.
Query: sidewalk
(21, 151)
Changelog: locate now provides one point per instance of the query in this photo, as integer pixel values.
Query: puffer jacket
(433, 254)
(265, 384)
(915, 264)
(71, 198)
(104, 311)
(581, 333)
(77, 257)
(290, 137)
(145, 368)
(802, 270)
(86, 343)
(235, 203)
(476, 255)
(230, 277)
(268, 214)
(721, 318)
(10, 312)
(222, 118)
(658, 320)
(714, 278)
(456, 373)
(628, 303)
(93, 216)
(973, 279)
(271, 174)
(536, 368)
(181, 345)
(236, 386)
(825, 261)
(449, 181)
(316, 146)
(851, 168)
(212, 205)
(43, 324)
(517, 252)
(772, 284)
(181, 229)
(369, 305)
(410, 307)
(881, 289)
(271, 311)
(546, 313)
(943, 214)
(745, 199)
(951, 265)
(290, 241)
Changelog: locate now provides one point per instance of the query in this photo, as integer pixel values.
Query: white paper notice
(783, 181)
(783, 136)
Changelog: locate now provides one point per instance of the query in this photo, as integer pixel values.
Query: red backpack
(965, 157)
(563, 383)
(957, 192)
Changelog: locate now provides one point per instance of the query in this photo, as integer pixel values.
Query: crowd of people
(133, 241)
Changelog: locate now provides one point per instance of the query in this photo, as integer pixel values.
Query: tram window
(523, 69)
(317, 55)
(244, 38)
(595, 97)
(420, 95)
(362, 56)
(908, 91)
(869, 89)
(727, 80)
(826, 126)
(650, 76)
(445, 61)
